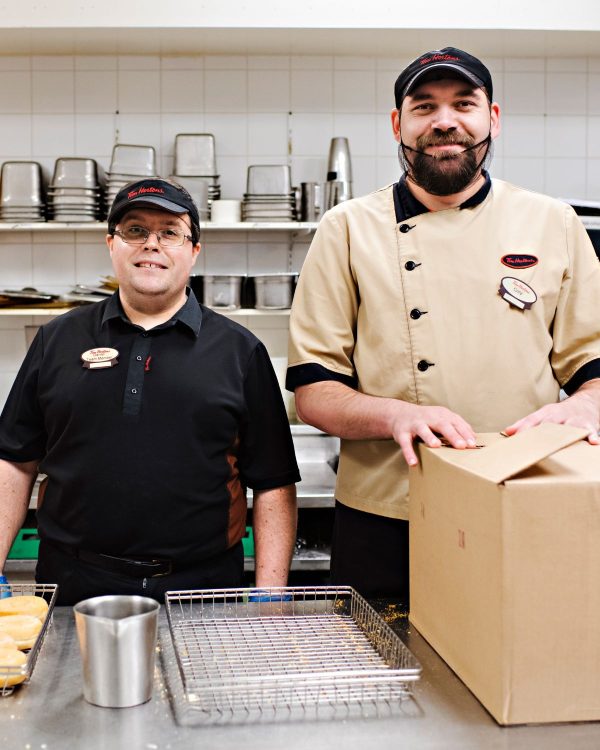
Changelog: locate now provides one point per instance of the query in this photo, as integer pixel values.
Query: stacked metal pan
(129, 163)
(269, 195)
(195, 167)
(21, 192)
(75, 193)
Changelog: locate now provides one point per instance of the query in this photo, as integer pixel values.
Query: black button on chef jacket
(151, 456)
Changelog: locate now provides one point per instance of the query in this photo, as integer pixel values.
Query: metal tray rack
(48, 592)
(317, 650)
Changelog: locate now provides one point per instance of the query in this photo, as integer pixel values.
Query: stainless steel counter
(50, 713)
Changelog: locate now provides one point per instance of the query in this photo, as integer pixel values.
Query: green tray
(248, 542)
(25, 546)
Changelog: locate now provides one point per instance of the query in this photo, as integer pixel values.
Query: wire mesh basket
(47, 591)
(288, 650)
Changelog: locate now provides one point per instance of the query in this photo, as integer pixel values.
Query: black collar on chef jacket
(406, 205)
(190, 314)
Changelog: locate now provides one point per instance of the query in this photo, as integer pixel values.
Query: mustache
(444, 139)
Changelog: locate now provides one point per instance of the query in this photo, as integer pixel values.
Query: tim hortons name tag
(517, 293)
(94, 359)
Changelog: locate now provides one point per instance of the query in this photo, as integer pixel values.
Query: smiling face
(444, 121)
(151, 273)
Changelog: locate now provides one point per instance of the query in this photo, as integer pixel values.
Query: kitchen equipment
(117, 638)
(285, 653)
(129, 163)
(75, 193)
(133, 160)
(25, 296)
(269, 195)
(48, 592)
(195, 154)
(226, 211)
(195, 160)
(75, 172)
(198, 188)
(222, 292)
(21, 192)
(333, 191)
(274, 291)
(339, 166)
(310, 201)
(269, 179)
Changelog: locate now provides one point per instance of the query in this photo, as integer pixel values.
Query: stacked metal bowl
(75, 193)
(21, 192)
(129, 163)
(195, 167)
(269, 195)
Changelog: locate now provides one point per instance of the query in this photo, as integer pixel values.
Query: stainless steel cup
(117, 638)
(339, 159)
(332, 194)
(310, 201)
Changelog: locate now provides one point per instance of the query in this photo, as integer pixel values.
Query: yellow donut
(7, 641)
(23, 628)
(10, 657)
(24, 605)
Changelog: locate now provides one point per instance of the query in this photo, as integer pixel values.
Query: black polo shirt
(152, 455)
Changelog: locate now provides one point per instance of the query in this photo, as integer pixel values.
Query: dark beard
(446, 173)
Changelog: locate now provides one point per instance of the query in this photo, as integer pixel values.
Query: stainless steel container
(310, 201)
(117, 638)
(274, 291)
(339, 167)
(224, 292)
(333, 193)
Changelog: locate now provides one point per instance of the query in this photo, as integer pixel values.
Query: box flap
(509, 456)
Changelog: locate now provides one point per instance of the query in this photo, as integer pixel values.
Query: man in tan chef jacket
(442, 305)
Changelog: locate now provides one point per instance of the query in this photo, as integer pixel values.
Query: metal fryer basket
(47, 591)
(322, 648)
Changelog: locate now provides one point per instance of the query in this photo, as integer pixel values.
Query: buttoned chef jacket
(413, 311)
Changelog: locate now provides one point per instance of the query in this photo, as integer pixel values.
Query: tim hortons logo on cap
(142, 190)
(437, 58)
(519, 260)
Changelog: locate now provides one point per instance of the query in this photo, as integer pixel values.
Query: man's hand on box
(582, 409)
(410, 421)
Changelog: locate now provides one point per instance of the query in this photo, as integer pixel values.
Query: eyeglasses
(166, 237)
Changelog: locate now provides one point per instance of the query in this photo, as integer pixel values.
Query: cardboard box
(505, 570)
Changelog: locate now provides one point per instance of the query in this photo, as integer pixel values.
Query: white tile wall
(270, 109)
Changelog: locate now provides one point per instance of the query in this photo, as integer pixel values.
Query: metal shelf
(309, 559)
(205, 226)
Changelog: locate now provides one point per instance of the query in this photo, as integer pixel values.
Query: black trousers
(79, 580)
(370, 553)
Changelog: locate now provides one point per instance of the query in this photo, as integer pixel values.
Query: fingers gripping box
(505, 570)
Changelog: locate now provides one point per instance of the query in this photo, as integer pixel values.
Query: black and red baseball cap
(432, 65)
(155, 193)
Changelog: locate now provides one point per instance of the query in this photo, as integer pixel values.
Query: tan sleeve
(576, 330)
(323, 316)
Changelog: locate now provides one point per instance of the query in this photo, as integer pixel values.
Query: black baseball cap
(155, 193)
(447, 59)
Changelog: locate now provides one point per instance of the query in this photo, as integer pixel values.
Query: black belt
(145, 568)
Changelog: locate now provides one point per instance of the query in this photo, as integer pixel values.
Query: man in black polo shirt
(150, 414)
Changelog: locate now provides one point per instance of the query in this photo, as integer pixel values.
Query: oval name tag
(517, 293)
(101, 357)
